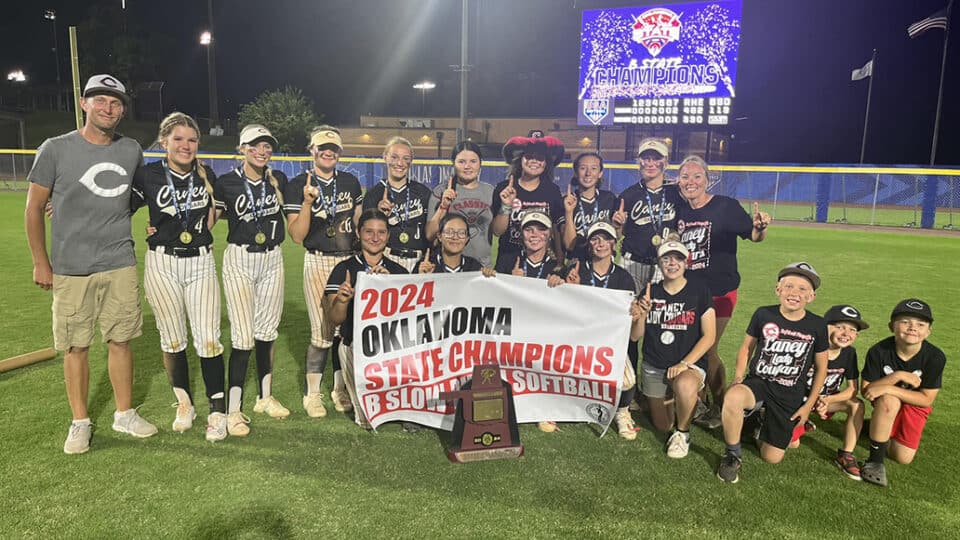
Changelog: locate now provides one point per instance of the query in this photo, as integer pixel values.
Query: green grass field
(301, 477)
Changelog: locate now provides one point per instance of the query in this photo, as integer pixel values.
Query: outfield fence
(902, 196)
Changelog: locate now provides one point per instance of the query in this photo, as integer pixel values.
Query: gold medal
(404, 237)
(331, 231)
(656, 240)
(260, 238)
(185, 237)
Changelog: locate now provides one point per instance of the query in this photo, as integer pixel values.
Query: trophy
(486, 425)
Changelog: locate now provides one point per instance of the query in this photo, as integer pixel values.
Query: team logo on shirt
(782, 355)
(696, 236)
(89, 180)
(165, 199)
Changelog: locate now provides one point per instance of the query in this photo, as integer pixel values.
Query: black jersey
(247, 217)
(169, 212)
(616, 278)
(467, 264)
(842, 368)
(710, 233)
(354, 265)
(408, 220)
(545, 198)
(540, 270)
(648, 213)
(673, 325)
(589, 211)
(928, 363)
(348, 197)
(785, 351)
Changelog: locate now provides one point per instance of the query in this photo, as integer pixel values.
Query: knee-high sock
(179, 374)
(633, 352)
(316, 363)
(335, 353)
(213, 379)
(239, 358)
(626, 396)
(264, 367)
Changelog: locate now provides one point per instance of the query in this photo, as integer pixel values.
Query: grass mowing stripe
(302, 478)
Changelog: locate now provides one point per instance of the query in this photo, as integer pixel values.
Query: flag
(937, 20)
(862, 73)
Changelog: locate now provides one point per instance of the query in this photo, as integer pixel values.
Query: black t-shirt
(349, 196)
(467, 264)
(588, 212)
(150, 188)
(245, 218)
(785, 351)
(338, 275)
(539, 270)
(642, 218)
(928, 363)
(546, 198)
(410, 212)
(842, 368)
(673, 324)
(710, 233)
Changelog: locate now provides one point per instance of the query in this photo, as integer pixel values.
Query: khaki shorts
(111, 298)
(654, 382)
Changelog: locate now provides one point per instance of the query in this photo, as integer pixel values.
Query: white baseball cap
(106, 84)
(672, 246)
(535, 216)
(602, 226)
(326, 136)
(255, 132)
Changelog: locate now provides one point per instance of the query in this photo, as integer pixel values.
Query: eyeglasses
(450, 233)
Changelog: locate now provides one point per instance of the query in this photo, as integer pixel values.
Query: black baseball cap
(913, 307)
(802, 269)
(845, 313)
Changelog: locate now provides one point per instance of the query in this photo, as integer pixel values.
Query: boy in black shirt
(844, 323)
(782, 342)
(902, 377)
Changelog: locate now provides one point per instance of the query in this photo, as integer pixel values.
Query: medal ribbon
(184, 216)
(543, 264)
(256, 206)
(330, 208)
(583, 214)
(663, 202)
(593, 277)
(406, 206)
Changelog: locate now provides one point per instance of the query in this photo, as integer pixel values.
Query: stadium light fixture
(17, 75)
(423, 86)
(205, 38)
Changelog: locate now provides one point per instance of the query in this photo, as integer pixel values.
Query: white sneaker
(78, 438)
(341, 400)
(185, 415)
(625, 425)
(216, 427)
(237, 424)
(272, 407)
(131, 423)
(313, 404)
(678, 446)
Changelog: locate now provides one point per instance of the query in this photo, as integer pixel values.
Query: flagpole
(866, 118)
(943, 70)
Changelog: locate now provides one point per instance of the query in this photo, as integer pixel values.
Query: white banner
(562, 350)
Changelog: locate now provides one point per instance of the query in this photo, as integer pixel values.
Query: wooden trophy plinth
(486, 424)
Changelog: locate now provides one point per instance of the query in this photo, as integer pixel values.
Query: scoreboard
(714, 111)
(672, 64)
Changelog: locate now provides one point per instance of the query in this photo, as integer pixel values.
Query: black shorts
(777, 428)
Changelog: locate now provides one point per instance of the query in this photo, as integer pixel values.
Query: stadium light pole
(51, 15)
(423, 86)
(206, 39)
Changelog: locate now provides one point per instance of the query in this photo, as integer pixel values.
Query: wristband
(505, 208)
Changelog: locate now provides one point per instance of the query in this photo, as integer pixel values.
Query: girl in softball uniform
(180, 278)
(586, 205)
(251, 198)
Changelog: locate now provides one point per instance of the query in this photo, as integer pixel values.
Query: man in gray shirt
(91, 268)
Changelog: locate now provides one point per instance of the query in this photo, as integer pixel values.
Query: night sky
(362, 56)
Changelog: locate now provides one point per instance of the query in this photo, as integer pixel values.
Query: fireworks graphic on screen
(711, 34)
(608, 46)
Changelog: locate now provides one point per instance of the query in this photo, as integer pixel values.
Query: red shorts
(801, 430)
(724, 305)
(909, 424)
